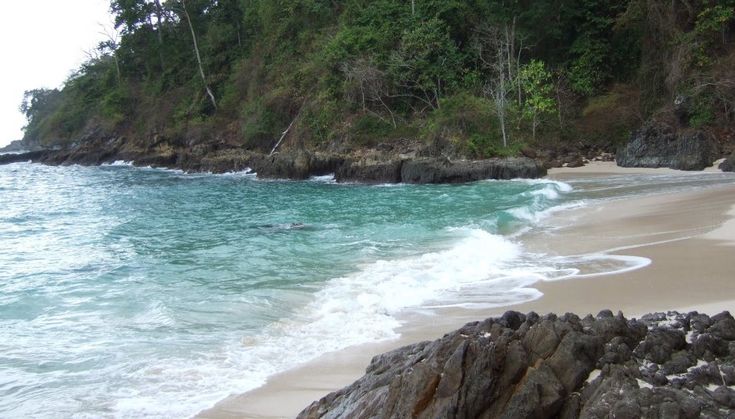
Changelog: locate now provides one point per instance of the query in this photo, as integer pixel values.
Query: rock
(294, 165)
(33, 156)
(216, 162)
(657, 144)
(370, 171)
(325, 163)
(729, 164)
(723, 327)
(432, 170)
(19, 146)
(552, 163)
(529, 152)
(575, 162)
(526, 366)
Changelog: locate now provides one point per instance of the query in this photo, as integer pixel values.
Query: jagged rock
(729, 164)
(527, 366)
(22, 157)
(287, 165)
(294, 164)
(218, 162)
(431, 170)
(325, 163)
(657, 144)
(370, 171)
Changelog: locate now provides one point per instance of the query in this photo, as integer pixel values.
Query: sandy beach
(689, 238)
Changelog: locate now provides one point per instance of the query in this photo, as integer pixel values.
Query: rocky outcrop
(33, 156)
(657, 144)
(431, 170)
(19, 146)
(295, 164)
(437, 170)
(729, 164)
(370, 170)
(527, 366)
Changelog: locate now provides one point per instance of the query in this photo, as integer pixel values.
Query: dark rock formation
(290, 165)
(437, 170)
(295, 164)
(729, 164)
(657, 144)
(33, 156)
(372, 171)
(431, 170)
(527, 366)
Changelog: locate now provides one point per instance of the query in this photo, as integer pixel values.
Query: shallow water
(127, 292)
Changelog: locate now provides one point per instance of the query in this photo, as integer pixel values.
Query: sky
(42, 42)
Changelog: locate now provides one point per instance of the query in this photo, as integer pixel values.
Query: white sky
(41, 43)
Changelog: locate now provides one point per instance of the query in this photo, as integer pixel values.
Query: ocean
(129, 292)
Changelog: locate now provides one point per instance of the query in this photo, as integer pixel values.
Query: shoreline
(687, 235)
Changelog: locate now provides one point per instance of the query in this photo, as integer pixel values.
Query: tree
(186, 14)
(498, 55)
(538, 88)
(426, 64)
(367, 86)
(109, 47)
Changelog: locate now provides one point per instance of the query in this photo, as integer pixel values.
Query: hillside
(453, 78)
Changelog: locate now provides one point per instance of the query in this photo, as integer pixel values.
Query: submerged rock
(523, 366)
(657, 144)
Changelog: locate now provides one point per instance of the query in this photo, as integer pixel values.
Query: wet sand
(689, 238)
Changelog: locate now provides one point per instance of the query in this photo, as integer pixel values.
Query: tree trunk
(284, 134)
(159, 34)
(558, 102)
(199, 58)
(500, 103)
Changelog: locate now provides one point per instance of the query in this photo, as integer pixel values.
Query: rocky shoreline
(663, 365)
(371, 167)
(656, 144)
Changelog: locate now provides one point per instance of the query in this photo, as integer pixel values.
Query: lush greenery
(483, 76)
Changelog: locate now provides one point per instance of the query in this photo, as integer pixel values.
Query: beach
(687, 239)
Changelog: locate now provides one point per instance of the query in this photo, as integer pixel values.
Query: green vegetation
(486, 77)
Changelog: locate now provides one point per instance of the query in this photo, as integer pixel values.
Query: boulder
(528, 366)
(657, 144)
(729, 164)
(294, 165)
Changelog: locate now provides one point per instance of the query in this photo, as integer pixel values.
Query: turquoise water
(127, 292)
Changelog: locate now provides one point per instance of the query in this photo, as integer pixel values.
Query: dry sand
(689, 237)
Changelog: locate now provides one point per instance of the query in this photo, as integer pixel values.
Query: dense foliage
(484, 76)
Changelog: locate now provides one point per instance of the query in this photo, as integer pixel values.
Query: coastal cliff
(462, 80)
(523, 366)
